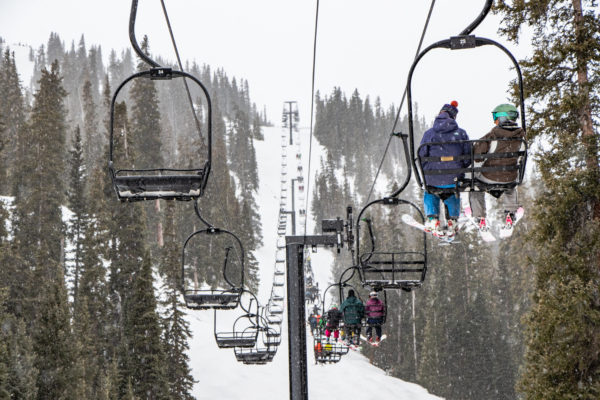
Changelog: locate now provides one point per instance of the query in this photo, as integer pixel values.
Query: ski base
(484, 233)
(409, 220)
(375, 344)
(507, 231)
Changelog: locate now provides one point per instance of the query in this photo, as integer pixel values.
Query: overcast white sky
(365, 45)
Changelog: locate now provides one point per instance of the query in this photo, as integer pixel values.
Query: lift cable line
(312, 105)
(402, 101)
(187, 88)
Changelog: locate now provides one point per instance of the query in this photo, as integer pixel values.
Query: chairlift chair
(328, 352)
(467, 180)
(273, 319)
(276, 296)
(180, 183)
(254, 356)
(195, 255)
(272, 337)
(274, 310)
(237, 338)
(403, 265)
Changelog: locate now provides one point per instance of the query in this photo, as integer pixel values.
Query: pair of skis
(444, 237)
(505, 231)
(485, 233)
(374, 343)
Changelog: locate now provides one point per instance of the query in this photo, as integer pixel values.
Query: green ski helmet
(505, 112)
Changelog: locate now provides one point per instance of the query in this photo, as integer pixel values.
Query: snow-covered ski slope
(218, 373)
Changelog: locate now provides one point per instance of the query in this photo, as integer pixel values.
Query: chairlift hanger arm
(197, 210)
(392, 200)
(343, 282)
(132, 38)
(225, 264)
(216, 231)
(404, 137)
(325, 295)
(479, 19)
(252, 298)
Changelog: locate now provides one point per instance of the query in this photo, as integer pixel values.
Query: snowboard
(375, 344)
(508, 231)
(409, 220)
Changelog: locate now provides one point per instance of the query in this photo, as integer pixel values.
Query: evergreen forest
(90, 296)
(90, 306)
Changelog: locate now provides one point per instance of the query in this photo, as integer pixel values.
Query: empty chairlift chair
(278, 281)
(212, 253)
(134, 182)
(265, 349)
(245, 328)
(276, 296)
(398, 264)
(240, 336)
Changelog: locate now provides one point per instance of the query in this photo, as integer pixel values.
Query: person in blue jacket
(445, 130)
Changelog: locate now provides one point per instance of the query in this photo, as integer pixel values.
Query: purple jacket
(445, 129)
(374, 308)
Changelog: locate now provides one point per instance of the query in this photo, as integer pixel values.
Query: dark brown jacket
(500, 146)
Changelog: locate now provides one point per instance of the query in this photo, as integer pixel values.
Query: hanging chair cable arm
(197, 210)
(132, 38)
(225, 263)
(404, 138)
(479, 19)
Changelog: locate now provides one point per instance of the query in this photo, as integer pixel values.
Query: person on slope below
(353, 310)
(333, 318)
(444, 132)
(375, 311)
(505, 117)
(312, 321)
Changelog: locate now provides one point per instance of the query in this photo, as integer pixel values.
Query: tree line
(517, 319)
(79, 312)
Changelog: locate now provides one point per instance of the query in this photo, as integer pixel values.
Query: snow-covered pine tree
(12, 105)
(77, 204)
(39, 237)
(145, 117)
(562, 79)
(139, 349)
(92, 142)
(176, 330)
